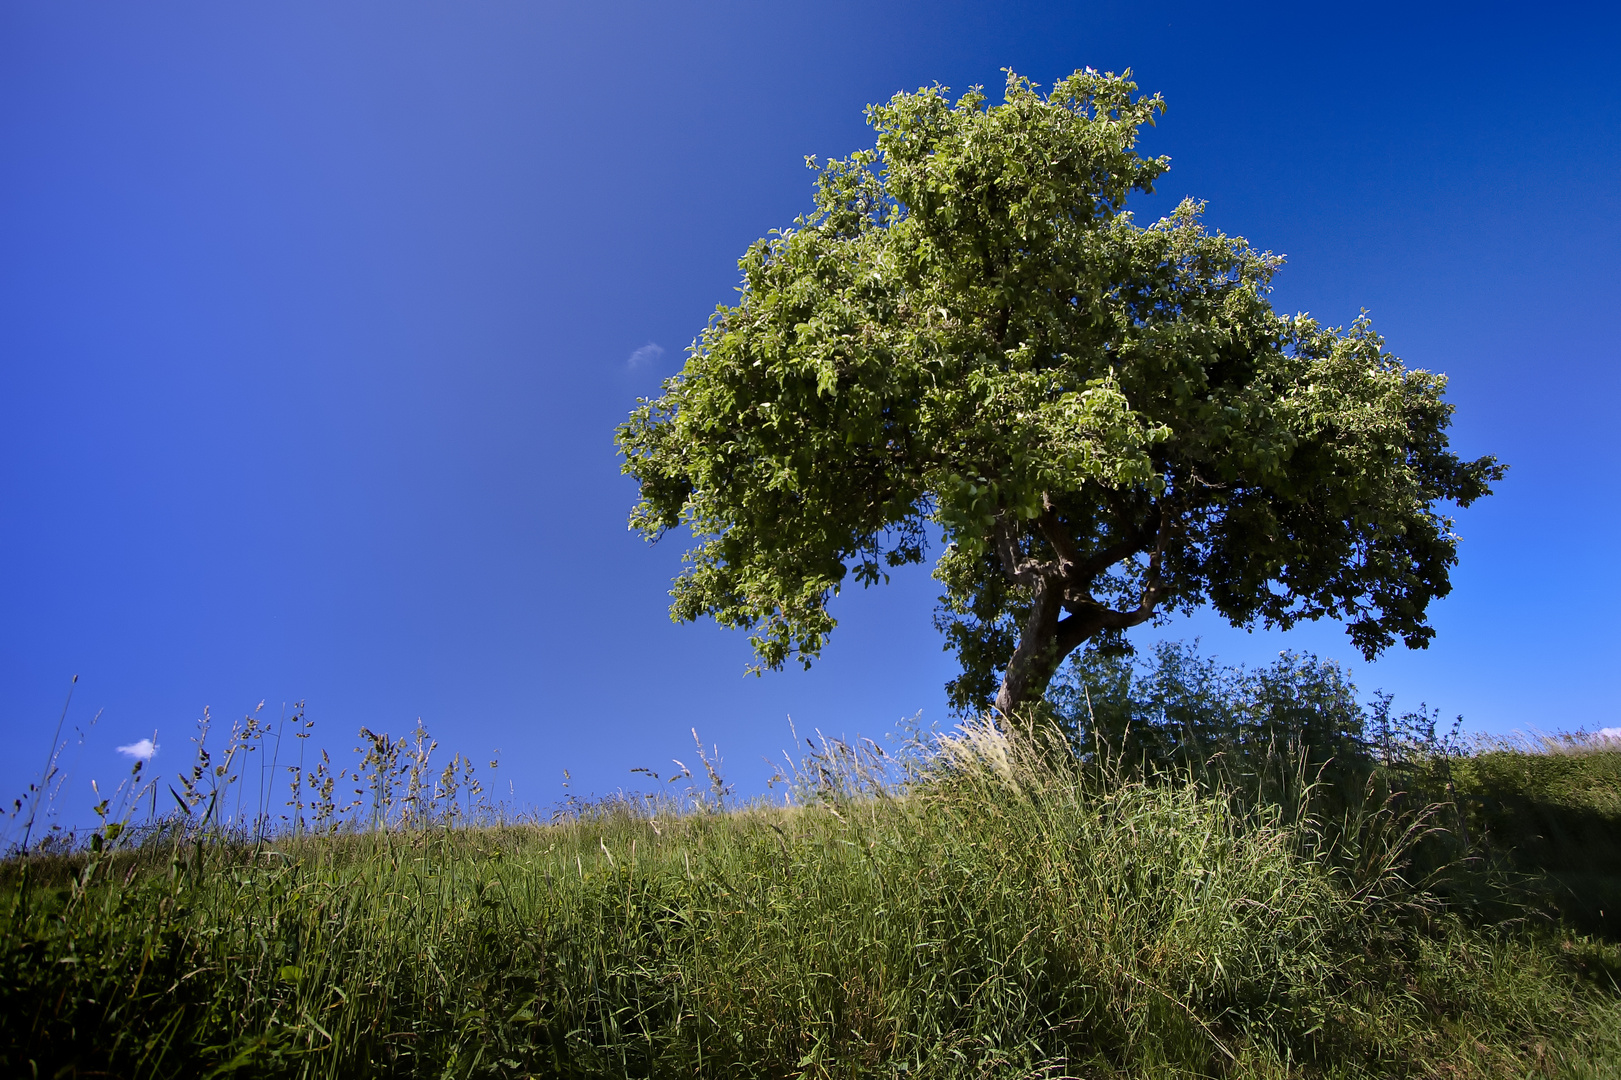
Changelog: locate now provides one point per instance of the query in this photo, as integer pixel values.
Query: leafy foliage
(1184, 713)
(1107, 421)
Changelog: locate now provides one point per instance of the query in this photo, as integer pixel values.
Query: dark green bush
(1502, 830)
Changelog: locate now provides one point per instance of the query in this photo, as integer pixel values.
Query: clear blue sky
(316, 320)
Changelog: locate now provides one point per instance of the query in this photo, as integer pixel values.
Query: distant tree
(1183, 713)
(1107, 422)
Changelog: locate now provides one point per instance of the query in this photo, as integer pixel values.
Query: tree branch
(1080, 575)
(1053, 528)
(1021, 570)
(1087, 616)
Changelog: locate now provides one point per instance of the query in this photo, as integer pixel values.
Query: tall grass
(978, 908)
(1551, 811)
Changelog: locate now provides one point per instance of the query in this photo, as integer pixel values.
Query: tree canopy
(1107, 422)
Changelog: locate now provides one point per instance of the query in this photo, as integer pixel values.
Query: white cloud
(1609, 732)
(145, 750)
(642, 357)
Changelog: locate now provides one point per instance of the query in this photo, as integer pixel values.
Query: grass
(1554, 815)
(980, 909)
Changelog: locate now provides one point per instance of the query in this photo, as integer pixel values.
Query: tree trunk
(1048, 637)
(1037, 656)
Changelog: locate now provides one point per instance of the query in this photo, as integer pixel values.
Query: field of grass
(981, 909)
(1553, 814)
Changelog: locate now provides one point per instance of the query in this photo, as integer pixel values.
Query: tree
(1106, 422)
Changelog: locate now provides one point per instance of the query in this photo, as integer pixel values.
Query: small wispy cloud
(145, 750)
(642, 357)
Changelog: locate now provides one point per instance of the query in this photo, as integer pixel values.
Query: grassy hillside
(1554, 816)
(981, 911)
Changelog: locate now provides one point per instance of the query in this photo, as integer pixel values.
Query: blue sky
(316, 320)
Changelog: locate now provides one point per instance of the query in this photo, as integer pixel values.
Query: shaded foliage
(1507, 827)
